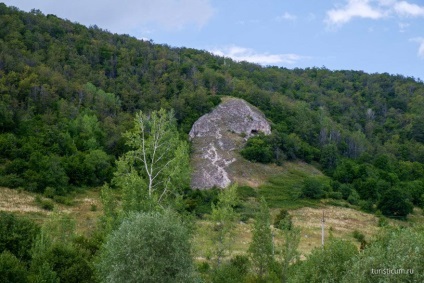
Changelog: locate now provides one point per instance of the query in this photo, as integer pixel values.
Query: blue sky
(369, 35)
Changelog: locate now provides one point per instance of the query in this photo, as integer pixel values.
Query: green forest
(74, 98)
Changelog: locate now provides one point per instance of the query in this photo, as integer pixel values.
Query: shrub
(11, 269)
(69, 263)
(231, 272)
(283, 220)
(353, 197)
(66, 200)
(399, 249)
(358, 236)
(46, 204)
(17, 235)
(394, 203)
(335, 195)
(325, 265)
(147, 247)
(313, 188)
(258, 149)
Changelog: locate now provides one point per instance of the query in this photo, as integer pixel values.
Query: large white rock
(217, 136)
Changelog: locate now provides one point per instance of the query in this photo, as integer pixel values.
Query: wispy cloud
(419, 40)
(128, 14)
(353, 9)
(238, 53)
(286, 17)
(406, 9)
(372, 9)
(403, 26)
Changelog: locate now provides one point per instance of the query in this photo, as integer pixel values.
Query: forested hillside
(94, 127)
(68, 92)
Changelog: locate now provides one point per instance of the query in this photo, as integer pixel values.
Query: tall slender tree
(223, 217)
(157, 166)
(261, 247)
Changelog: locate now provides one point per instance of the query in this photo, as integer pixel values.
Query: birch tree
(157, 166)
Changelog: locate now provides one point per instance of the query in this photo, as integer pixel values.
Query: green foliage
(283, 220)
(329, 157)
(147, 247)
(156, 170)
(200, 202)
(11, 269)
(396, 251)
(285, 190)
(258, 149)
(395, 204)
(325, 265)
(288, 252)
(46, 204)
(69, 264)
(246, 192)
(358, 236)
(68, 92)
(224, 216)
(353, 197)
(110, 218)
(261, 246)
(17, 235)
(56, 257)
(314, 188)
(234, 271)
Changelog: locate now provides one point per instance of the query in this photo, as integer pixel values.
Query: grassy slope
(281, 191)
(86, 207)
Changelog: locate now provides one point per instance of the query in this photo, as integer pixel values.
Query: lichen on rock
(218, 136)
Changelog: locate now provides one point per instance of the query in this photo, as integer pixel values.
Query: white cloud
(286, 17)
(406, 9)
(354, 8)
(124, 15)
(238, 53)
(403, 26)
(420, 40)
(372, 9)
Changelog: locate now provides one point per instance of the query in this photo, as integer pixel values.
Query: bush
(234, 271)
(354, 197)
(199, 201)
(325, 265)
(400, 249)
(283, 220)
(366, 205)
(70, 264)
(335, 195)
(46, 204)
(17, 235)
(147, 247)
(313, 188)
(358, 236)
(394, 203)
(258, 149)
(11, 269)
(63, 200)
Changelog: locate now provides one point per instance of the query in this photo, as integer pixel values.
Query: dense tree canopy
(68, 92)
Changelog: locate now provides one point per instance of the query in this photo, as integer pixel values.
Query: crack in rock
(218, 136)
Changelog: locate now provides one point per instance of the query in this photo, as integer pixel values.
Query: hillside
(68, 92)
(73, 147)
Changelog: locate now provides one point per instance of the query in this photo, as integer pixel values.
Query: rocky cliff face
(218, 136)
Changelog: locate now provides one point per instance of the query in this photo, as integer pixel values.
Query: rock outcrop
(218, 136)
